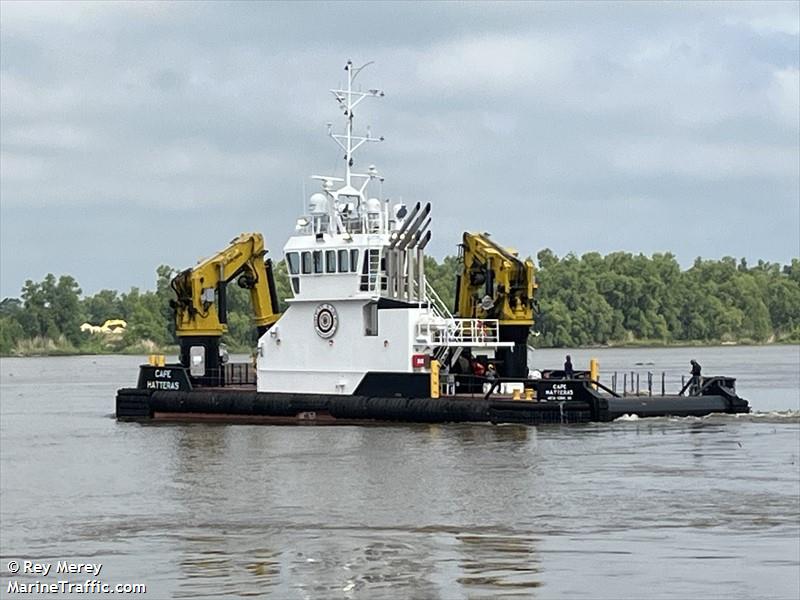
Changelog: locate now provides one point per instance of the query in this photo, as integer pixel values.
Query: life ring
(326, 321)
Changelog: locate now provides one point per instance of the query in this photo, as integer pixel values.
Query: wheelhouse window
(317, 261)
(293, 262)
(306, 262)
(344, 265)
(330, 261)
(354, 260)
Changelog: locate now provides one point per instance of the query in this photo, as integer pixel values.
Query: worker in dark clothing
(569, 372)
(696, 369)
(464, 363)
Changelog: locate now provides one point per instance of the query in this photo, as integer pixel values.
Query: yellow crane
(494, 283)
(200, 302)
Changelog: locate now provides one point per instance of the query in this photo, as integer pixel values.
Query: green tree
(592, 299)
(11, 332)
(10, 307)
(102, 306)
(442, 278)
(143, 312)
(165, 293)
(783, 303)
(68, 312)
(36, 318)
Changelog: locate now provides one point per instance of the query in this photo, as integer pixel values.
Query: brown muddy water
(679, 508)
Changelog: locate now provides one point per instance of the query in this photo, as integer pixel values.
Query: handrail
(605, 387)
(707, 383)
(438, 303)
(455, 331)
(703, 384)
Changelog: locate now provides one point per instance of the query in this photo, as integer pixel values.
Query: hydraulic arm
(494, 283)
(201, 308)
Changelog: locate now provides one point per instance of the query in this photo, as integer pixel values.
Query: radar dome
(318, 204)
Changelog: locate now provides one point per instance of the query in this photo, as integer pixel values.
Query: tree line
(616, 299)
(625, 298)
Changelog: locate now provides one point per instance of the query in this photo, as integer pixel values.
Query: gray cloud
(133, 134)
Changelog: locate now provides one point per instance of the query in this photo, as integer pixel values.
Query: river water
(651, 508)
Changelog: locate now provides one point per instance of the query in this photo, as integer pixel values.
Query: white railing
(439, 307)
(459, 332)
(375, 281)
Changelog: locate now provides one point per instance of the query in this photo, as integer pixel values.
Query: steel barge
(549, 401)
(365, 338)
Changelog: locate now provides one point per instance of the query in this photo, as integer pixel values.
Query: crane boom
(494, 283)
(200, 304)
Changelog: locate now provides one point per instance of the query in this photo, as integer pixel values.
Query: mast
(348, 99)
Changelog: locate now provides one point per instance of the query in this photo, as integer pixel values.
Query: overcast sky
(139, 134)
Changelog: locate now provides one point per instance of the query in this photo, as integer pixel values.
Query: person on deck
(569, 372)
(696, 378)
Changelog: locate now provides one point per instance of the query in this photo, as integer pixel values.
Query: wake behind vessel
(365, 337)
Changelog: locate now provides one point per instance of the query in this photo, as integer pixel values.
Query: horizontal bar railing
(454, 332)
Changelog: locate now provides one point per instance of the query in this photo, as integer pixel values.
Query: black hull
(249, 406)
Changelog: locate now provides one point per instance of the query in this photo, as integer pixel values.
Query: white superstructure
(360, 303)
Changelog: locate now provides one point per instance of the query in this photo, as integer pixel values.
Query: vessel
(365, 338)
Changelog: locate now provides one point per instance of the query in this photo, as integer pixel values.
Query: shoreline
(173, 350)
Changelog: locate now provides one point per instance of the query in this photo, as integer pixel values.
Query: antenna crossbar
(348, 99)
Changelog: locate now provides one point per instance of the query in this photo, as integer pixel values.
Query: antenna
(348, 100)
